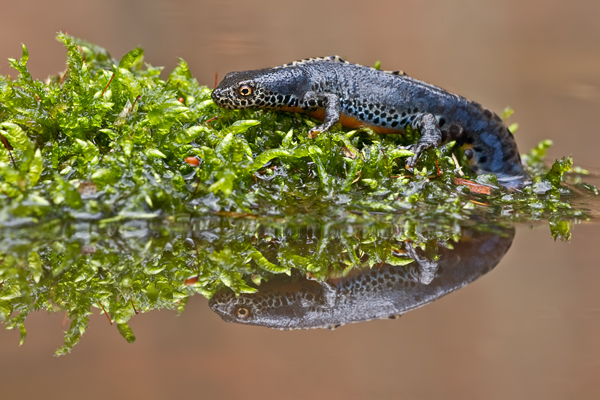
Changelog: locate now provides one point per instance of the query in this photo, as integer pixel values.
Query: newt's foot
(431, 137)
(314, 132)
(417, 149)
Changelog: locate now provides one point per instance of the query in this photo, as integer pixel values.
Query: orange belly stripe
(347, 121)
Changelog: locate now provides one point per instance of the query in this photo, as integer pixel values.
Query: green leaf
(538, 153)
(132, 58)
(106, 176)
(560, 230)
(399, 153)
(15, 135)
(35, 266)
(155, 153)
(126, 332)
(242, 126)
(234, 281)
(265, 264)
(559, 167)
(187, 135)
(36, 167)
(506, 113)
(22, 333)
(223, 146)
(267, 156)
(86, 149)
(398, 261)
(21, 65)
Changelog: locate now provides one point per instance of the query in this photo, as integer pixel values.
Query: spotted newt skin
(384, 291)
(334, 90)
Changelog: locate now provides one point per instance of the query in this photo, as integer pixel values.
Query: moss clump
(99, 165)
(108, 140)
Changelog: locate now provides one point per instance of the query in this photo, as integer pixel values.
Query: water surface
(527, 329)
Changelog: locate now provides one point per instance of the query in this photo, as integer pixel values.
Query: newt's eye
(243, 312)
(245, 90)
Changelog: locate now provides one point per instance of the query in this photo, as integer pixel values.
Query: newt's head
(262, 88)
(279, 304)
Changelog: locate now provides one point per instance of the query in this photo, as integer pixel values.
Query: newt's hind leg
(431, 136)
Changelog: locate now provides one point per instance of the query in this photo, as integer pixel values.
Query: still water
(378, 290)
(527, 328)
(497, 312)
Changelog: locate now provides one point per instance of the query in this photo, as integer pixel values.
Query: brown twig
(132, 305)
(388, 168)
(479, 203)
(5, 143)
(9, 199)
(108, 84)
(216, 79)
(135, 101)
(197, 185)
(63, 77)
(212, 119)
(386, 162)
(460, 172)
(474, 187)
(81, 52)
(105, 313)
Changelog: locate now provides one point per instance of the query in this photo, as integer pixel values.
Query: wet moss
(108, 140)
(100, 164)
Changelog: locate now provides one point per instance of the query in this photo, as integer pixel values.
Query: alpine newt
(384, 291)
(334, 90)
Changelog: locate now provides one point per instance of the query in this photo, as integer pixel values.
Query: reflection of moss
(137, 267)
(107, 139)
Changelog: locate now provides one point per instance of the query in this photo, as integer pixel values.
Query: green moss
(107, 139)
(93, 170)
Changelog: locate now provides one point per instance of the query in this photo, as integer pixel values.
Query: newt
(384, 291)
(334, 90)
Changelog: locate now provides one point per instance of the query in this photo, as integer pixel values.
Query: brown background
(528, 330)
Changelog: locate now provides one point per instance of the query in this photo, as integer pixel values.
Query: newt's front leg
(311, 101)
(427, 267)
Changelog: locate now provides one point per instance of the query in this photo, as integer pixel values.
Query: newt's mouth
(219, 96)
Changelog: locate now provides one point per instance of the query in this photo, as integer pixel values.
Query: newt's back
(334, 90)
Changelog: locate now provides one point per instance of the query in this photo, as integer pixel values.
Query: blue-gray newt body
(385, 291)
(334, 90)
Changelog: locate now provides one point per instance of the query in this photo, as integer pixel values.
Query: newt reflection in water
(384, 292)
